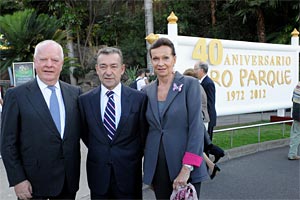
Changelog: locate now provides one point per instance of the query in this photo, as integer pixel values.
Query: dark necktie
(110, 115)
(54, 108)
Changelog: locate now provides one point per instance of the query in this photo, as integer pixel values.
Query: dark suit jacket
(32, 147)
(124, 154)
(210, 90)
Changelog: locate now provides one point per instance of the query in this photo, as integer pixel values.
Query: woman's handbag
(185, 193)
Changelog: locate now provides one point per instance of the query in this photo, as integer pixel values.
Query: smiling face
(48, 62)
(163, 61)
(110, 69)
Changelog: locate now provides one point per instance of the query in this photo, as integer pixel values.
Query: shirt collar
(42, 85)
(116, 90)
(203, 78)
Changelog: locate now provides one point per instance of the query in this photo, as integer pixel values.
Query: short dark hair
(110, 50)
(163, 42)
(140, 72)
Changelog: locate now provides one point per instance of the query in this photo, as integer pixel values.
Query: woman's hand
(182, 178)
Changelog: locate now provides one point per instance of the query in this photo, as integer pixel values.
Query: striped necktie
(54, 108)
(110, 115)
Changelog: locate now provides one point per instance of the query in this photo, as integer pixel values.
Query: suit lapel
(39, 105)
(95, 102)
(126, 103)
(205, 80)
(152, 96)
(67, 98)
(174, 90)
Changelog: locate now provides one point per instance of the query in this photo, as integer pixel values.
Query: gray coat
(204, 105)
(181, 128)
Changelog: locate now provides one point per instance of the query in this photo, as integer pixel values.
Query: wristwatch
(190, 167)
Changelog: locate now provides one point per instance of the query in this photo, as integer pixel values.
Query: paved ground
(264, 175)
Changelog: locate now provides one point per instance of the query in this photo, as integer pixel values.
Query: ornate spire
(295, 33)
(172, 19)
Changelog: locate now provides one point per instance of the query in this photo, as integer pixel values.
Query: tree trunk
(213, 12)
(82, 54)
(260, 25)
(70, 47)
(149, 27)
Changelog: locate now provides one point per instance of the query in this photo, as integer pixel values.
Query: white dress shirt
(140, 83)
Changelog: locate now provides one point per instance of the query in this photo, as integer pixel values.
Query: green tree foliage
(105, 23)
(121, 22)
(23, 30)
(11, 6)
(194, 19)
(125, 29)
(273, 18)
(287, 17)
(72, 16)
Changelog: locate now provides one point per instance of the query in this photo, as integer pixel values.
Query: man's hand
(23, 190)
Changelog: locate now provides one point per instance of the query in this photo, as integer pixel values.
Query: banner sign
(249, 77)
(23, 72)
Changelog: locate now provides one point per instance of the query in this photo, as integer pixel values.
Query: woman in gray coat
(174, 145)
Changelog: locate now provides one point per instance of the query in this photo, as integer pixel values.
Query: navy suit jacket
(124, 154)
(209, 87)
(32, 148)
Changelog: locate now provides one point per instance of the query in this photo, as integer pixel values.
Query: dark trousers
(64, 194)
(210, 148)
(115, 193)
(210, 131)
(162, 184)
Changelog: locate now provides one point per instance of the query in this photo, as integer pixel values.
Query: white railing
(232, 129)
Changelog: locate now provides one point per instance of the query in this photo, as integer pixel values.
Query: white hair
(46, 42)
